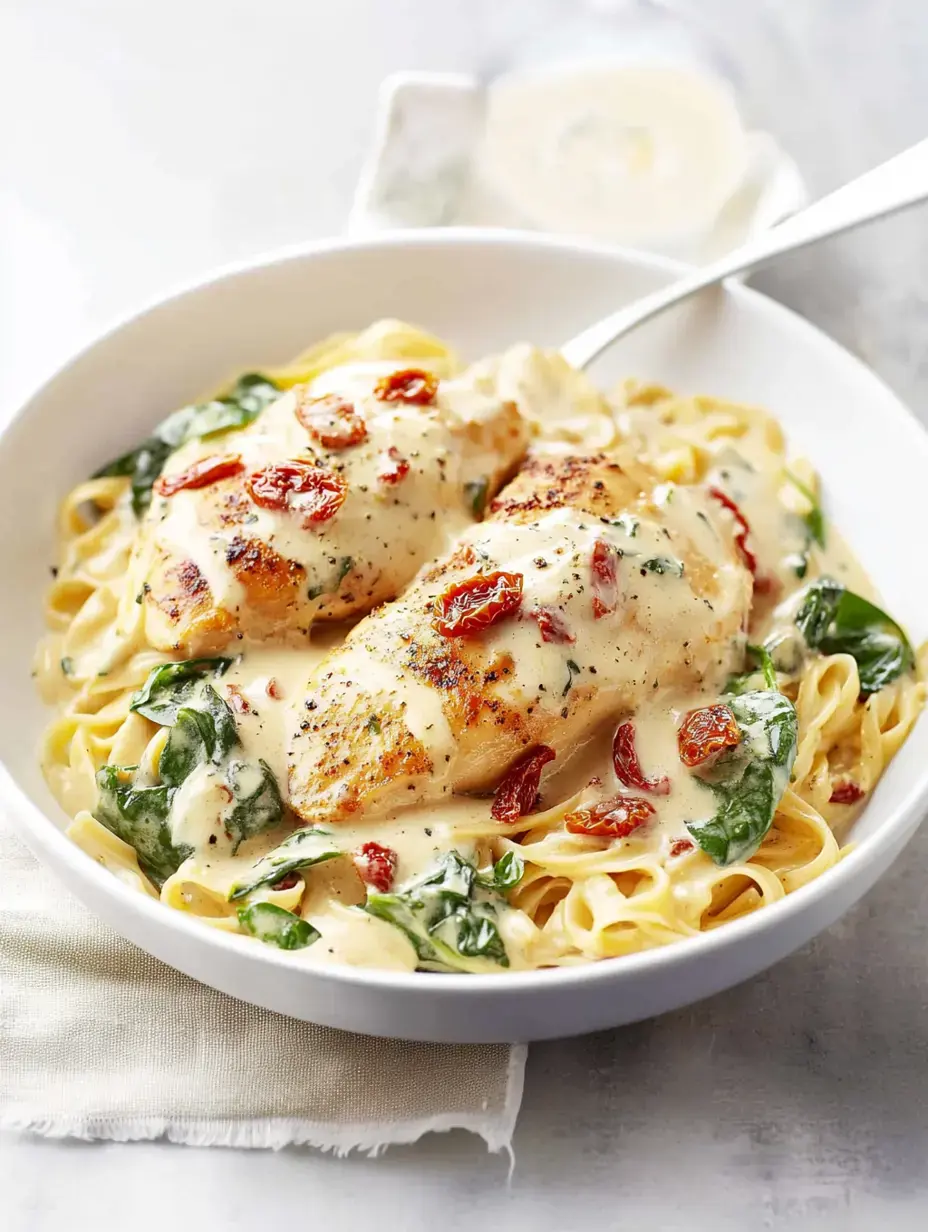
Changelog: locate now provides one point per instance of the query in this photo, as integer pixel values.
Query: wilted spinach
(203, 733)
(244, 402)
(302, 849)
(275, 926)
(814, 522)
(171, 686)
(834, 620)
(139, 816)
(448, 915)
(749, 781)
(764, 676)
(505, 873)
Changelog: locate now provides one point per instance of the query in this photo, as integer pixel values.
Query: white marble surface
(142, 143)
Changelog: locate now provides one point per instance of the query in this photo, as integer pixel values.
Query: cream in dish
(642, 696)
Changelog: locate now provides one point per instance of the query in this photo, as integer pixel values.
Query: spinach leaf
(506, 873)
(749, 782)
(748, 682)
(258, 804)
(275, 926)
(302, 849)
(143, 464)
(192, 740)
(171, 686)
(664, 564)
(834, 620)
(139, 816)
(448, 916)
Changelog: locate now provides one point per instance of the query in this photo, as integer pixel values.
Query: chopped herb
(373, 724)
(572, 670)
(476, 493)
(345, 565)
(664, 564)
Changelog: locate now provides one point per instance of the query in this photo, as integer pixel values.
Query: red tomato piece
(628, 767)
(394, 467)
(517, 793)
(741, 522)
(552, 625)
(300, 486)
(604, 568)
(376, 865)
(680, 846)
(706, 732)
(332, 421)
(615, 818)
(847, 792)
(408, 385)
(201, 474)
(477, 602)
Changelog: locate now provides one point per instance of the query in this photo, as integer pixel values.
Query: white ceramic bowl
(481, 290)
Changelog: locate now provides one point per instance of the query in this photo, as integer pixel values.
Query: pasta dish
(389, 661)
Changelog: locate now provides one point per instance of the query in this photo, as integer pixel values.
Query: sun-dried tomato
(615, 818)
(680, 846)
(332, 421)
(477, 602)
(552, 625)
(604, 570)
(306, 489)
(705, 732)
(744, 528)
(201, 474)
(517, 793)
(628, 767)
(237, 699)
(847, 792)
(273, 689)
(393, 466)
(289, 882)
(376, 865)
(408, 385)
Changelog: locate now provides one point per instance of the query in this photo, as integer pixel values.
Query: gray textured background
(142, 143)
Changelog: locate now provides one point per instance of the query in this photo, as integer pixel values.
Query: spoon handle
(894, 185)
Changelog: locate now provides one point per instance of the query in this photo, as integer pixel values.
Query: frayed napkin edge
(275, 1133)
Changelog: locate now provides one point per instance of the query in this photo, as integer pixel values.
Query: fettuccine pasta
(703, 799)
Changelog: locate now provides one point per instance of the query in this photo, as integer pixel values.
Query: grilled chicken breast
(601, 587)
(322, 508)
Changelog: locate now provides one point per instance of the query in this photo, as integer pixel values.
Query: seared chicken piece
(322, 508)
(627, 587)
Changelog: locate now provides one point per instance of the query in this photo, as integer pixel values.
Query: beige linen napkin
(98, 1040)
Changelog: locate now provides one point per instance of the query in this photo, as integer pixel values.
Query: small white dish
(423, 170)
(481, 290)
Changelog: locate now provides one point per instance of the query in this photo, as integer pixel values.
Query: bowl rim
(41, 833)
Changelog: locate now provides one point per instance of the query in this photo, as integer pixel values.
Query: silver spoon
(894, 185)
